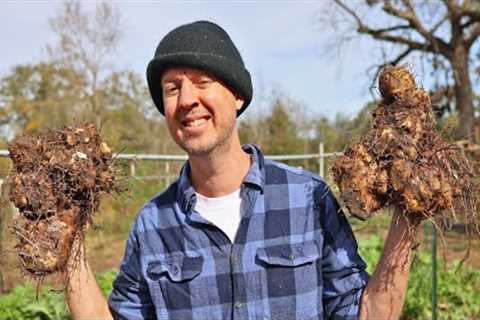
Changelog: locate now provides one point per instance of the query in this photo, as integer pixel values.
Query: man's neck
(221, 173)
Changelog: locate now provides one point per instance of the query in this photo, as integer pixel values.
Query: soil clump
(402, 161)
(57, 180)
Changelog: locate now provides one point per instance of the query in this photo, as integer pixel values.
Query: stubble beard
(220, 143)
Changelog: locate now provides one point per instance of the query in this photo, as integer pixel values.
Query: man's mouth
(195, 122)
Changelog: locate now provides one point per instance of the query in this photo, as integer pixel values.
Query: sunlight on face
(199, 109)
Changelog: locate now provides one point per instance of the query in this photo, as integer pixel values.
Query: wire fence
(320, 156)
(134, 159)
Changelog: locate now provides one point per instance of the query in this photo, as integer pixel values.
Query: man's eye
(170, 89)
(204, 81)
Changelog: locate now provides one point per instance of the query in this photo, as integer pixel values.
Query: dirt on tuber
(57, 179)
(402, 161)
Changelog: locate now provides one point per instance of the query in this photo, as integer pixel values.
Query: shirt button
(291, 257)
(175, 270)
(238, 305)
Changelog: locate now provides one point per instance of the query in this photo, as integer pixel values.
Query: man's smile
(195, 121)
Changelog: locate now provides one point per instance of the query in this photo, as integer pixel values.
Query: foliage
(281, 131)
(458, 291)
(277, 132)
(35, 96)
(458, 288)
(338, 133)
(21, 303)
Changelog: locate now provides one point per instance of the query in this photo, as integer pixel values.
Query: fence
(134, 158)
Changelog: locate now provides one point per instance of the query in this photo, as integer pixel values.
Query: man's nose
(188, 97)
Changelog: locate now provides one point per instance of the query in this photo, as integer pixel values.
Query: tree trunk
(463, 92)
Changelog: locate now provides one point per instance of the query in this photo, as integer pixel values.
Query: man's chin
(198, 150)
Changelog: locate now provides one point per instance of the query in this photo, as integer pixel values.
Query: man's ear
(239, 101)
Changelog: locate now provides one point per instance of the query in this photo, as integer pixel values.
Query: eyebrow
(169, 78)
(194, 75)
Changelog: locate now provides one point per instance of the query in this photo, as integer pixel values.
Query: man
(237, 236)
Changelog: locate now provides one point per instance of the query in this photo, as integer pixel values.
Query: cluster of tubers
(402, 161)
(56, 182)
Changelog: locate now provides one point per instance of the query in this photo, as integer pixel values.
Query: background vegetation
(458, 296)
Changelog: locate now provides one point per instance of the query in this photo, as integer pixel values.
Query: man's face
(200, 110)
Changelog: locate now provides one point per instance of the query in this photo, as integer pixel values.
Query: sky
(283, 44)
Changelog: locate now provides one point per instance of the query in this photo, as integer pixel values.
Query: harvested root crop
(57, 180)
(403, 162)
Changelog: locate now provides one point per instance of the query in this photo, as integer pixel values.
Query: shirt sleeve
(344, 275)
(130, 298)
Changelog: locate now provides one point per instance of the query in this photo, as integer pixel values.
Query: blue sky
(283, 45)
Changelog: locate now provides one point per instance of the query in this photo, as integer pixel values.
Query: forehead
(174, 72)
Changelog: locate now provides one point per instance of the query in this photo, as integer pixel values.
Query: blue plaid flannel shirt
(294, 254)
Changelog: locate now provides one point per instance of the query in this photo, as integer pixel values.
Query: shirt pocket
(292, 273)
(177, 268)
(289, 255)
(170, 281)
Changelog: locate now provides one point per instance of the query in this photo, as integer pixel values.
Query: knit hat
(203, 45)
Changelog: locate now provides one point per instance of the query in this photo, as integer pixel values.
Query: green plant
(458, 288)
(21, 302)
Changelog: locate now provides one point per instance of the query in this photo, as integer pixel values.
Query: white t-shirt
(224, 212)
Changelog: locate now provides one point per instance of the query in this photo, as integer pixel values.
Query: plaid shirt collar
(255, 177)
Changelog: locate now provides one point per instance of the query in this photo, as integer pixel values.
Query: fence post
(132, 168)
(167, 173)
(321, 159)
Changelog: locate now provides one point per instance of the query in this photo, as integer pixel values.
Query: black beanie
(203, 45)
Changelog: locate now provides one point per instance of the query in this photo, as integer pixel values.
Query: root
(58, 178)
(402, 161)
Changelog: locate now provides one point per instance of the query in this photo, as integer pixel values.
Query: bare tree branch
(394, 28)
(350, 11)
(412, 18)
(439, 24)
(468, 23)
(381, 34)
(455, 18)
(417, 29)
(452, 9)
(474, 34)
(408, 4)
(401, 56)
(473, 14)
(414, 45)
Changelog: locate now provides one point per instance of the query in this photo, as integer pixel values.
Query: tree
(130, 120)
(278, 132)
(36, 96)
(282, 130)
(444, 32)
(338, 133)
(86, 41)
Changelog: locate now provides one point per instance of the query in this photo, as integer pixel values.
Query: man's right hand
(84, 297)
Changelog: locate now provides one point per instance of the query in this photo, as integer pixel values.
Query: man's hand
(384, 295)
(84, 297)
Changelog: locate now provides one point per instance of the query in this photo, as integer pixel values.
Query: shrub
(458, 289)
(21, 303)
